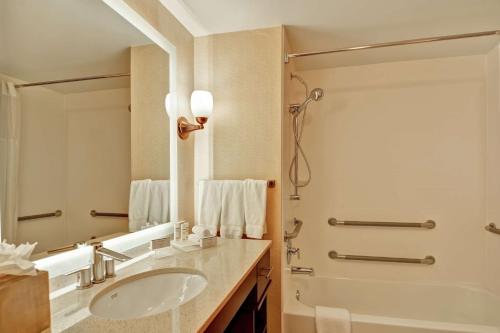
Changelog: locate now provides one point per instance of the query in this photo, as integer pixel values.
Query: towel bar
(429, 224)
(492, 228)
(57, 213)
(428, 260)
(94, 213)
(271, 183)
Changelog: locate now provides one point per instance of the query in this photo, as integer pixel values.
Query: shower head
(315, 95)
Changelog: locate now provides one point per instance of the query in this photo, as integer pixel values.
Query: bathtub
(392, 307)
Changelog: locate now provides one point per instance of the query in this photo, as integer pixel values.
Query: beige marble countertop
(225, 267)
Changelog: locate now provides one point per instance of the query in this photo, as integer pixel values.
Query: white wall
(98, 161)
(400, 141)
(74, 156)
(42, 167)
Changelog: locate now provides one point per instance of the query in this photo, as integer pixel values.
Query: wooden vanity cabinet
(246, 311)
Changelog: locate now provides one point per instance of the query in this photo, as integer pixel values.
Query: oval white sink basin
(148, 293)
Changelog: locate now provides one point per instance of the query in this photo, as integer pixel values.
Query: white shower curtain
(10, 129)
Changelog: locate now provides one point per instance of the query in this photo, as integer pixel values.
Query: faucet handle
(112, 254)
(83, 277)
(295, 250)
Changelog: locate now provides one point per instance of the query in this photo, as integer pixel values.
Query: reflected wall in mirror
(71, 148)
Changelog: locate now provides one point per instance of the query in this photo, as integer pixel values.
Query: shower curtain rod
(78, 79)
(396, 43)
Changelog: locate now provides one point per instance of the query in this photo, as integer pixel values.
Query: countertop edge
(228, 296)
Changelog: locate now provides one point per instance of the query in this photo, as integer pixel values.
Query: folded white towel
(200, 231)
(255, 196)
(138, 207)
(332, 320)
(159, 201)
(209, 204)
(232, 213)
(193, 238)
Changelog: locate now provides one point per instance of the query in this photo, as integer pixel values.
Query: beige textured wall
(150, 124)
(400, 141)
(160, 18)
(243, 71)
(492, 241)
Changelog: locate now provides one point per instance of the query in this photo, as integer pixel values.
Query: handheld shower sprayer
(298, 126)
(315, 95)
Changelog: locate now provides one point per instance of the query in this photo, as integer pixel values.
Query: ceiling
(59, 39)
(325, 24)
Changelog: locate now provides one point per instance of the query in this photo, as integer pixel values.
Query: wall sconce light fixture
(201, 106)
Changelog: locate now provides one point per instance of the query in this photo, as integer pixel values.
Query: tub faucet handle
(295, 250)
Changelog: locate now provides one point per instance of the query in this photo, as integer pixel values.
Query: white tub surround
(225, 266)
(392, 307)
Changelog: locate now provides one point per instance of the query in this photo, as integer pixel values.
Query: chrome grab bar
(429, 224)
(428, 260)
(492, 228)
(94, 213)
(57, 213)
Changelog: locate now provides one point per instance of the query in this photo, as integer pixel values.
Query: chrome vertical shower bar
(295, 195)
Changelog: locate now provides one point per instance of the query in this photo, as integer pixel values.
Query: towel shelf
(57, 213)
(428, 260)
(94, 213)
(429, 224)
(492, 228)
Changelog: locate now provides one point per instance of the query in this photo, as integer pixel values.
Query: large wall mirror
(81, 158)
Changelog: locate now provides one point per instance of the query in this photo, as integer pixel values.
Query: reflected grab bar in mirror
(94, 213)
(428, 260)
(429, 224)
(492, 228)
(57, 213)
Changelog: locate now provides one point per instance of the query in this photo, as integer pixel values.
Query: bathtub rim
(295, 307)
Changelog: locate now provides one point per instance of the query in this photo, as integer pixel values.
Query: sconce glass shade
(169, 103)
(202, 103)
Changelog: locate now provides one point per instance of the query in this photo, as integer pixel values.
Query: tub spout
(302, 270)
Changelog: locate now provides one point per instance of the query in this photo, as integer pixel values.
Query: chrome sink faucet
(102, 268)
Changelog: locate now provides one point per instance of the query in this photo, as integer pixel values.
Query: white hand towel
(255, 196)
(332, 320)
(233, 212)
(209, 204)
(159, 201)
(138, 207)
